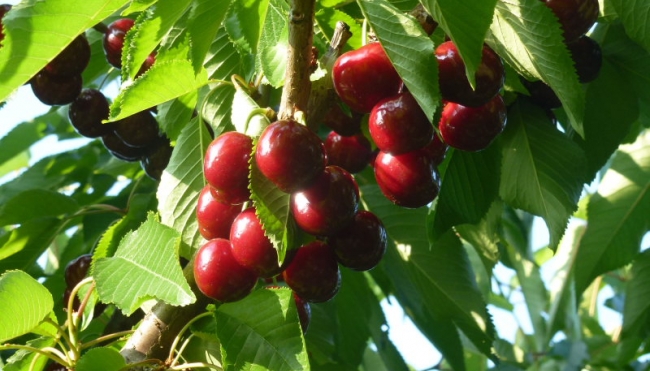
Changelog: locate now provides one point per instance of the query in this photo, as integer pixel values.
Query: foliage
(219, 66)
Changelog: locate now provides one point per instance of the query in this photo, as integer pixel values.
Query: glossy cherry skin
(113, 41)
(351, 153)
(157, 158)
(73, 60)
(138, 130)
(365, 76)
(218, 275)
(472, 128)
(76, 269)
(290, 155)
(576, 16)
(409, 180)
(398, 124)
(56, 91)
(341, 123)
(362, 244)
(328, 204)
(313, 274)
(455, 87)
(86, 113)
(214, 217)
(304, 312)
(121, 150)
(587, 57)
(437, 150)
(251, 248)
(226, 166)
(4, 8)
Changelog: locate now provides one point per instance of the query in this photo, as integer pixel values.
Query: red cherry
(290, 155)
(576, 16)
(341, 123)
(114, 40)
(86, 113)
(328, 204)
(588, 58)
(351, 153)
(437, 150)
(73, 60)
(313, 274)
(4, 8)
(362, 244)
(251, 248)
(472, 128)
(398, 124)
(408, 180)
(214, 217)
(54, 90)
(304, 312)
(226, 166)
(218, 275)
(138, 130)
(455, 87)
(76, 269)
(365, 76)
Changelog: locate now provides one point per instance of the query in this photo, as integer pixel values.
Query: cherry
(226, 166)
(121, 150)
(251, 248)
(76, 269)
(455, 87)
(542, 94)
(4, 8)
(341, 123)
(53, 366)
(472, 128)
(588, 58)
(313, 274)
(213, 216)
(362, 244)
(157, 158)
(73, 60)
(218, 275)
(576, 16)
(87, 112)
(304, 312)
(398, 124)
(365, 76)
(408, 180)
(113, 41)
(437, 150)
(351, 153)
(138, 130)
(54, 90)
(290, 155)
(151, 59)
(328, 204)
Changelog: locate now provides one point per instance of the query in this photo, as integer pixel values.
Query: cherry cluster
(75, 272)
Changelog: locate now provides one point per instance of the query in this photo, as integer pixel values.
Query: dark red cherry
(472, 128)
(73, 60)
(214, 217)
(362, 244)
(576, 16)
(146, 65)
(328, 204)
(290, 155)
(409, 180)
(587, 57)
(121, 150)
(87, 111)
(76, 269)
(155, 161)
(56, 91)
(542, 94)
(437, 150)
(4, 8)
(251, 248)
(113, 41)
(398, 124)
(226, 166)
(365, 76)
(138, 130)
(351, 153)
(341, 123)
(218, 275)
(304, 312)
(455, 87)
(313, 274)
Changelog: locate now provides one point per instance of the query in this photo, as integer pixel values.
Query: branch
(295, 95)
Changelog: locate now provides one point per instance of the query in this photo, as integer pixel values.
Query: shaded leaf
(20, 248)
(20, 138)
(36, 203)
(22, 359)
(223, 60)
(205, 20)
(25, 303)
(101, 359)
(634, 14)
(217, 107)
(637, 299)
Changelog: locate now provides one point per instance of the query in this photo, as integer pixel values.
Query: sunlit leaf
(25, 303)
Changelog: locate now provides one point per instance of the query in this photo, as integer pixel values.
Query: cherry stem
(181, 349)
(51, 353)
(297, 86)
(60, 334)
(101, 339)
(178, 337)
(72, 318)
(195, 365)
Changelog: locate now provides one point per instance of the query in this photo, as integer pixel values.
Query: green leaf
(149, 31)
(483, 235)
(471, 184)
(138, 6)
(34, 36)
(217, 108)
(326, 19)
(244, 117)
(20, 248)
(181, 183)
(36, 203)
(164, 81)
(20, 138)
(542, 170)
(101, 359)
(245, 22)
(25, 303)
(410, 50)
(634, 14)
(176, 113)
(22, 359)
(272, 207)
(618, 214)
(223, 60)
(148, 256)
(466, 23)
(206, 17)
(262, 332)
(637, 299)
(274, 43)
(527, 35)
